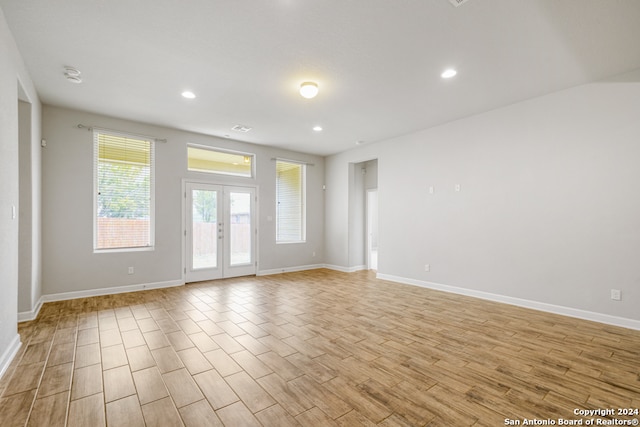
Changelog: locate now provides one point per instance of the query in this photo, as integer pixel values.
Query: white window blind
(290, 202)
(124, 191)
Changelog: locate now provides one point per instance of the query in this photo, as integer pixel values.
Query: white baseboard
(7, 357)
(25, 316)
(535, 305)
(110, 291)
(289, 269)
(345, 269)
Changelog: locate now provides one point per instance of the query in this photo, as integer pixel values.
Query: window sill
(116, 250)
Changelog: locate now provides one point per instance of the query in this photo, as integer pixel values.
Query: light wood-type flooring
(316, 348)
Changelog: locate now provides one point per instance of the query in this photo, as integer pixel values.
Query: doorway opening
(372, 229)
(363, 216)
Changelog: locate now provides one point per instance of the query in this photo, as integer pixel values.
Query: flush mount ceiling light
(448, 73)
(188, 94)
(308, 89)
(317, 128)
(72, 74)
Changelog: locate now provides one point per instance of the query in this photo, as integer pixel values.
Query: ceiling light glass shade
(309, 89)
(188, 95)
(447, 74)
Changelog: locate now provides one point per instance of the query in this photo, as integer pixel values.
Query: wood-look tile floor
(313, 349)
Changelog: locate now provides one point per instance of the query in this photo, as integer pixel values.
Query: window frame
(303, 210)
(152, 198)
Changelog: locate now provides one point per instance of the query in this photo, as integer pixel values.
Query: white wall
(25, 233)
(30, 189)
(356, 216)
(337, 177)
(69, 262)
(14, 82)
(549, 210)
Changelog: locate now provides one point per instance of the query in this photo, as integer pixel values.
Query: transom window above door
(218, 161)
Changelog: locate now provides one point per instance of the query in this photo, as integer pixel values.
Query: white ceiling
(377, 62)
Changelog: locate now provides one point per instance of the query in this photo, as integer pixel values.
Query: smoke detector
(72, 74)
(457, 3)
(241, 128)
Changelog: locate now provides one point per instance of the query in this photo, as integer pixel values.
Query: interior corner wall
(371, 175)
(25, 220)
(548, 208)
(68, 206)
(337, 176)
(13, 79)
(356, 216)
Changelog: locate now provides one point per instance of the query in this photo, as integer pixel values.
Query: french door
(220, 231)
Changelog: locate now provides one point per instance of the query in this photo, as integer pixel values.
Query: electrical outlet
(458, 188)
(130, 270)
(427, 267)
(616, 295)
(313, 254)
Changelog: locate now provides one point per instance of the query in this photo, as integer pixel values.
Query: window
(124, 191)
(205, 159)
(290, 202)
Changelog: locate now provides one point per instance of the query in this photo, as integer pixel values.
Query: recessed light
(309, 89)
(189, 95)
(317, 128)
(447, 74)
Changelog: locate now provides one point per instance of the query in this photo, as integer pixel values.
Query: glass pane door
(240, 228)
(204, 220)
(240, 231)
(204, 231)
(220, 231)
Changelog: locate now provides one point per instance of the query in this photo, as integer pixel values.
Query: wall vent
(241, 128)
(457, 3)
